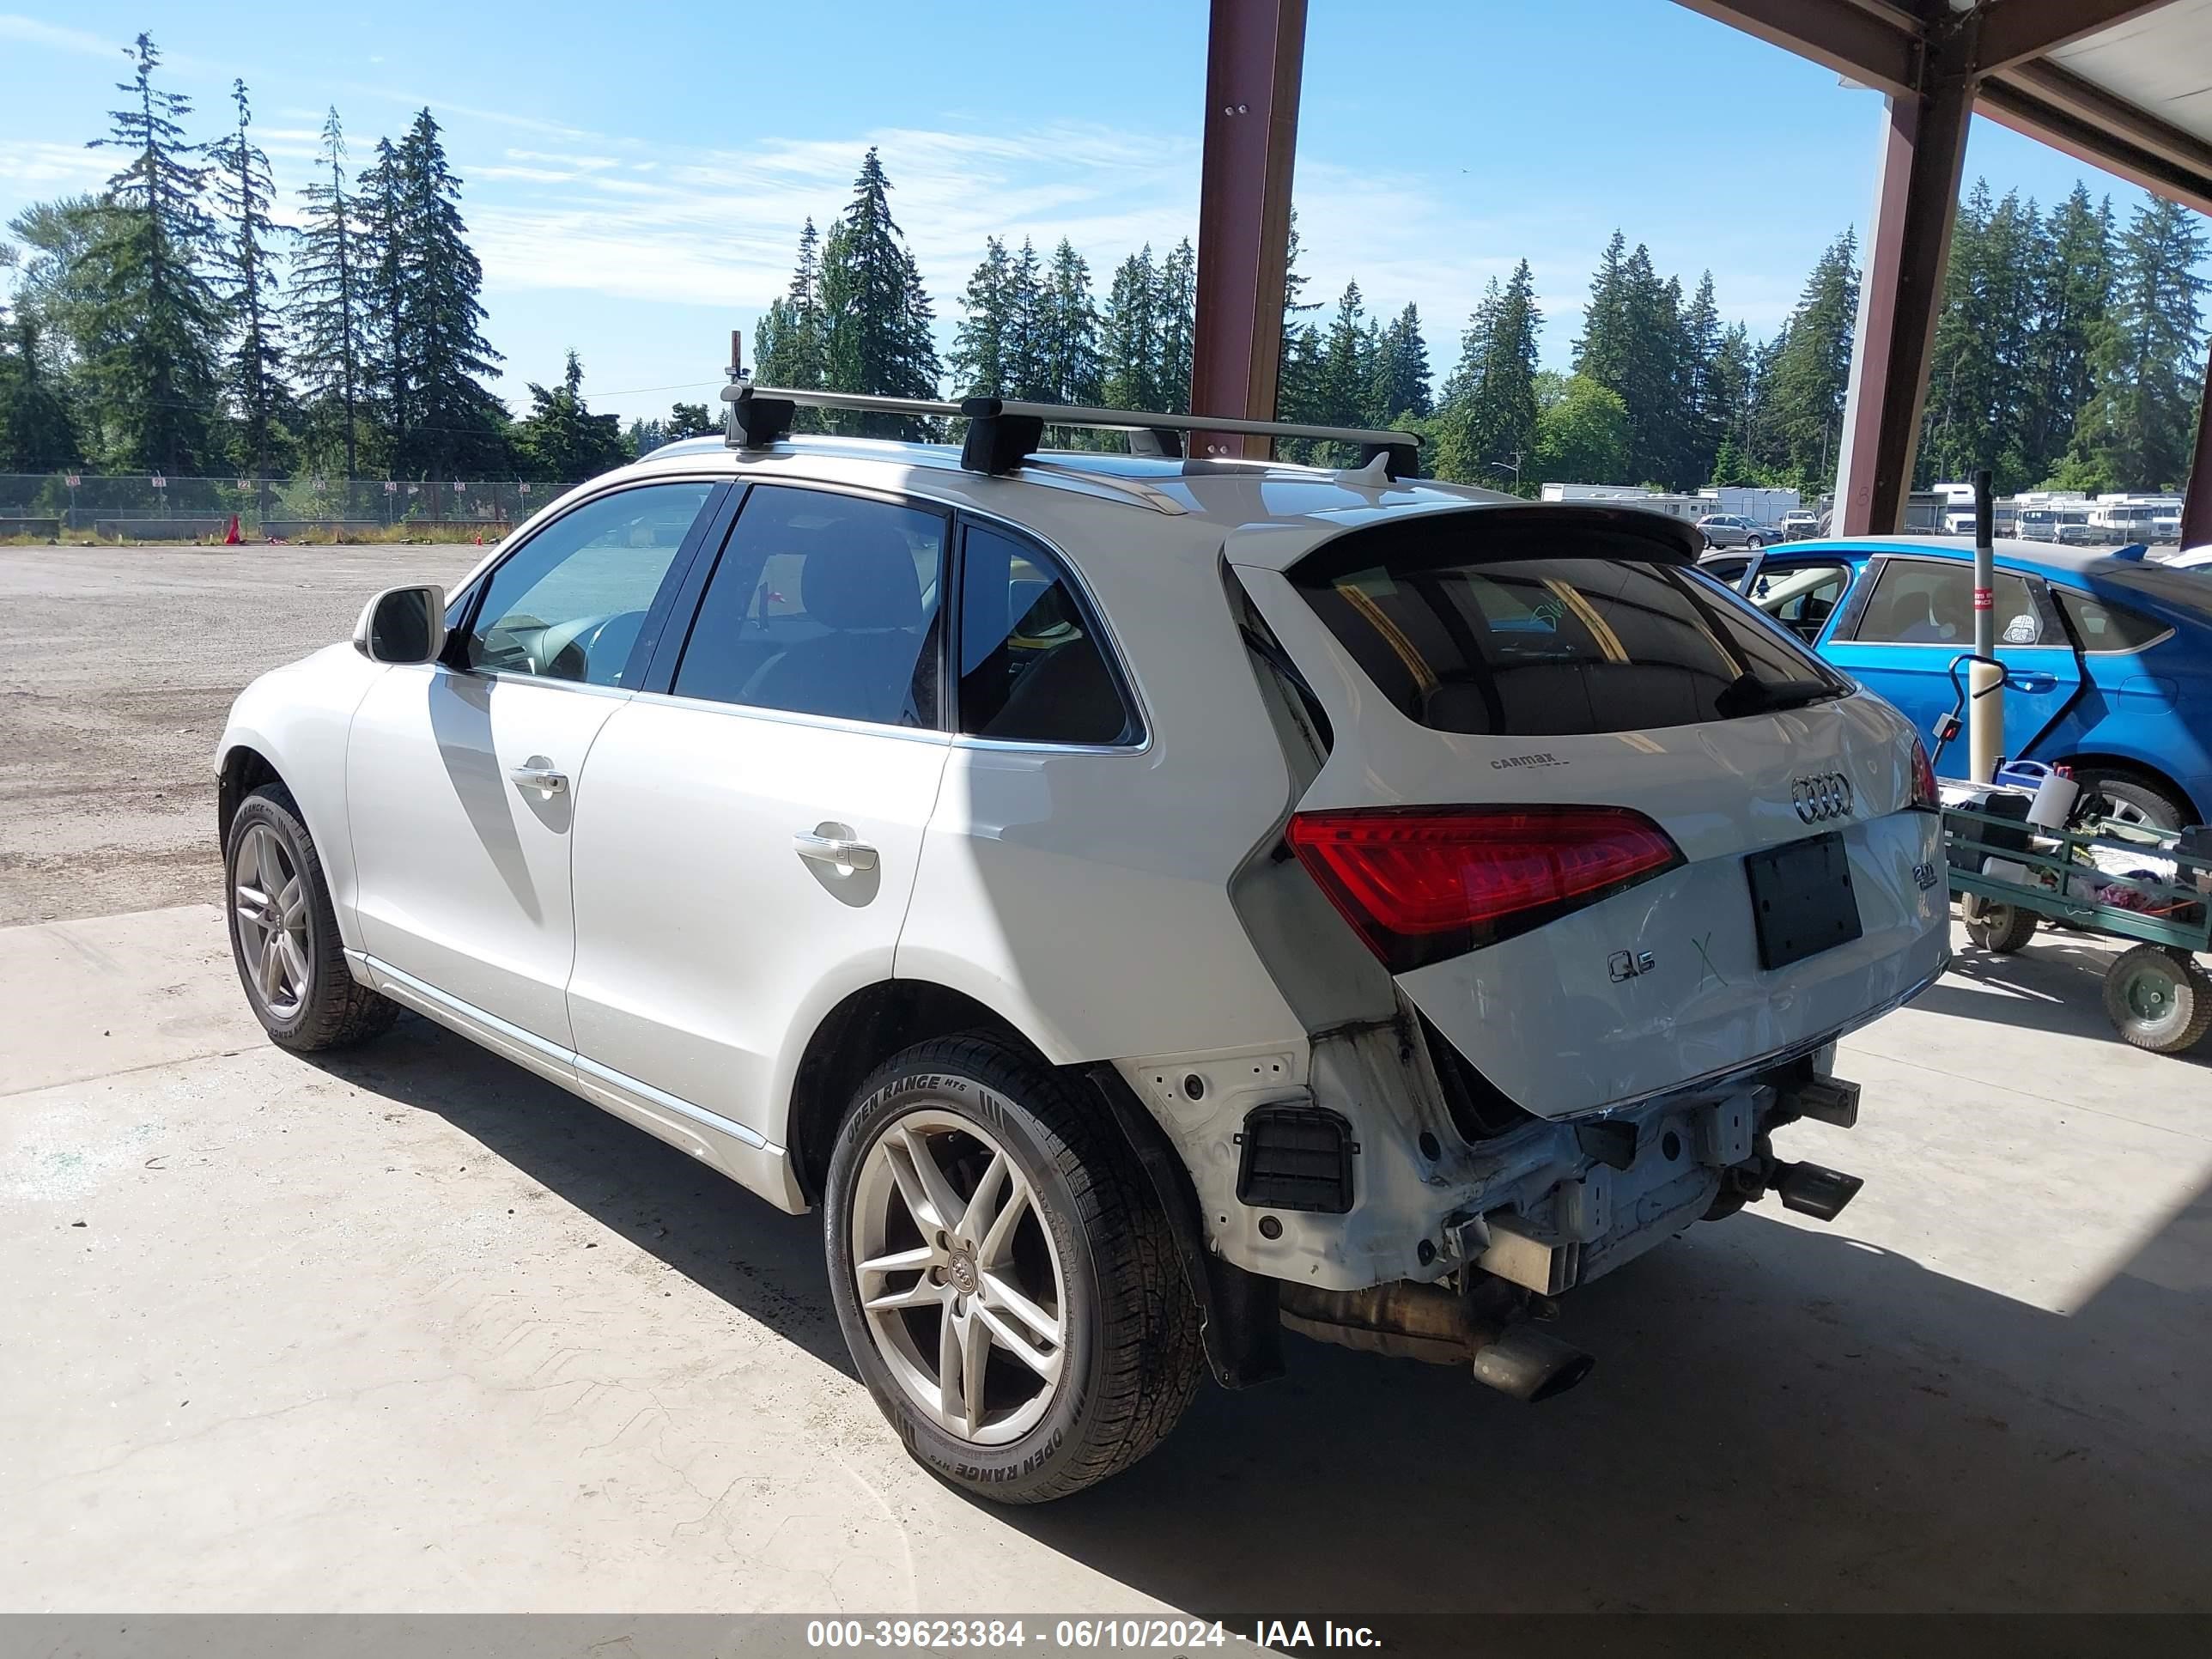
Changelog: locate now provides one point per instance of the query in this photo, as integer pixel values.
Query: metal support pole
(1900, 293)
(1255, 57)
(1985, 707)
(2196, 494)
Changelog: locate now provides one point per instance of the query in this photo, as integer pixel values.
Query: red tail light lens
(1422, 884)
(1925, 794)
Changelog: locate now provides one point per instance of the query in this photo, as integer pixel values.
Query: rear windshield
(1561, 637)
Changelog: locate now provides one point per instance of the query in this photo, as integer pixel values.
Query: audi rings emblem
(1822, 798)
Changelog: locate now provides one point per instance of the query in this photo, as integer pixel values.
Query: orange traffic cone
(231, 538)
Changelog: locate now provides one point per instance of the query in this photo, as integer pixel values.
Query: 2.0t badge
(1821, 799)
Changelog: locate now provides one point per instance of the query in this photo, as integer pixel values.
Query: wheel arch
(243, 768)
(1237, 1311)
(2150, 773)
(862, 1030)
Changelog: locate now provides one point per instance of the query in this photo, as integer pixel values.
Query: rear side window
(2101, 626)
(822, 605)
(1032, 667)
(1924, 602)
(1563, 641)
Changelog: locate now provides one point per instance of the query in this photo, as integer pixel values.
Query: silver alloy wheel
(961, 1289)
(271, 904)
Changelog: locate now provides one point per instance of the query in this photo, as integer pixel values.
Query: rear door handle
(834, 849)
(536, 773)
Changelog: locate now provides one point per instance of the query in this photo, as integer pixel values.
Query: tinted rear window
(1556, 642)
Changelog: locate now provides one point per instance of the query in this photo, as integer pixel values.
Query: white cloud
(31, 30)
(717, 227)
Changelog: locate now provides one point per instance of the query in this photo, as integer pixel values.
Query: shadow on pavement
(1781, 1419)
(2057, 985)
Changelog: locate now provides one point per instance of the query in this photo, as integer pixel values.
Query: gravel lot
(117, 667)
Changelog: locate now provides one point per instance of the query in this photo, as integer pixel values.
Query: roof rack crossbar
(1003, 431)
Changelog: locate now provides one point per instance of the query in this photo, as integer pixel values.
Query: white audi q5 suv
(1143, 903)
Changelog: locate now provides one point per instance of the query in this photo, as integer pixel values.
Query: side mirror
(403, 625)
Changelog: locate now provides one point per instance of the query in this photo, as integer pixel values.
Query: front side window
(1032, 668)
(1922, 602)
(570, 602)
(1802, 598)
(823, 604)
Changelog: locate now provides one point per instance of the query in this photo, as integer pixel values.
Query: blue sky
(636, 176)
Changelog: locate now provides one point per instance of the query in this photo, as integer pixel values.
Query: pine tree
(1489, 417)
(1979, 389)
(155, 319)
(1297, 377)
(1347, 362)
(1129, 344)
(788, 340)
(1026, 355)
(387, 369)
(1730, 373)
(329, 301)
(458, 426)
(1176, 309)
(1399, 388)
(1632, 341)
(2147, 351)
(1801, 395)
(982, 345)
(2072, 274)
(254, 374)
(1068, 331)
(876, 315)
(560, 439)
(1701, 421)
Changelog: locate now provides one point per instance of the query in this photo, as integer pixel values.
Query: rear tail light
(1925, 794)
(1425, 883)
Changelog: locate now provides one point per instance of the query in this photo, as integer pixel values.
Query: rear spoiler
(1479, 533)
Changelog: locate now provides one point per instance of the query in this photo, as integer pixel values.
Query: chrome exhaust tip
(1530, 1365)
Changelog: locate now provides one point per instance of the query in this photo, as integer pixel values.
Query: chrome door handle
(834, 849)
(537, 775)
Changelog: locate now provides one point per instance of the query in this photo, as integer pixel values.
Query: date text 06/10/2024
(1164, 1635)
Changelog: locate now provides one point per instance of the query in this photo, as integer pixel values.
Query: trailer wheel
(2159, 999)
(2003, 928)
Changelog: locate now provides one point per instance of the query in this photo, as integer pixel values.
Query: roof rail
(1003, 433)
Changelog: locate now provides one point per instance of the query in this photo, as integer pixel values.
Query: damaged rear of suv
(1585, 872)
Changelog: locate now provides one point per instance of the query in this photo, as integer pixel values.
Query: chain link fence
(151, 506)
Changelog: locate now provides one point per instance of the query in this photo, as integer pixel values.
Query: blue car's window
(2103, 627)
(1926, 602)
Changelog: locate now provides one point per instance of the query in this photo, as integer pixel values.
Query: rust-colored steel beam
(1900, 293)
(2013, 31)
(2053, 104)
(1874, 44)
(1255, 59)
(2196, 494)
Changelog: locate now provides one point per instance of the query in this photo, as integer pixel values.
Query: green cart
(2126, 881)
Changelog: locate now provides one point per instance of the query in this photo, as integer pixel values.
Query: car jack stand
(1810, 1189)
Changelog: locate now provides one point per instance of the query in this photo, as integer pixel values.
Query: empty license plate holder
(1801, 899)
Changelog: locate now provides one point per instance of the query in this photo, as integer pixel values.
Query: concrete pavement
(412, 1330)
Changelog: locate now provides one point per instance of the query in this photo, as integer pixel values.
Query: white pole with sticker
(1985, 707)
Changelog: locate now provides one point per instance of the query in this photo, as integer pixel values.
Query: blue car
(2115, 651)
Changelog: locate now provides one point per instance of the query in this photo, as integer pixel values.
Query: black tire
(1753, 543)
(2003, 928)
(2128, 797)
(2159, 999)
(334, 1009)
(1131, 1360)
